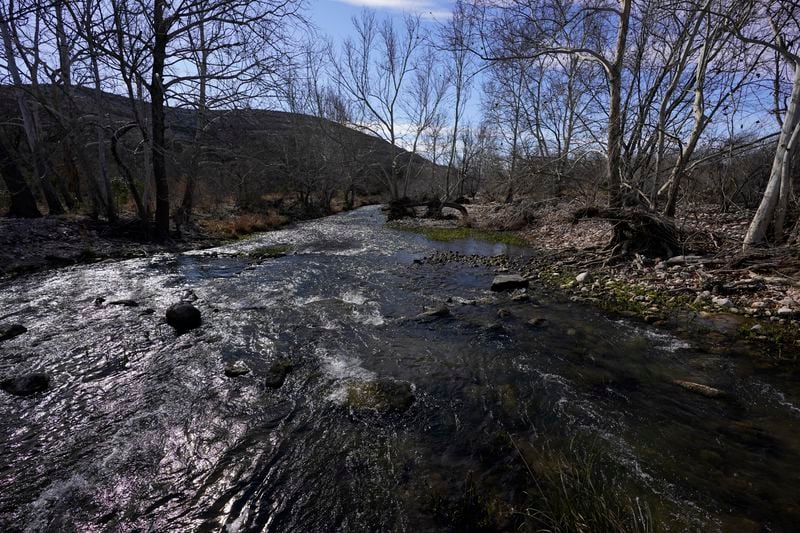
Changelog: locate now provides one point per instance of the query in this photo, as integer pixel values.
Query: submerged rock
(236, 369)
(538, 321)
(26, 385)
(435, 312)
(10, 331)
(494, 329)
(699, 388)
(277, 373)
(125, 303)
(509, 282)
(383, 395)
(520, 295)
(183, 317)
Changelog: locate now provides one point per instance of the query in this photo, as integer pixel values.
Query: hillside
(247, 153)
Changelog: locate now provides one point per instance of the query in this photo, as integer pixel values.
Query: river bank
(31, 245)
(712, 286)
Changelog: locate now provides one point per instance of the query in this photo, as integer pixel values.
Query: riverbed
(141, 429)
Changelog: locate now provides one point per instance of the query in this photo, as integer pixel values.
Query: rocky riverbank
(712, 285)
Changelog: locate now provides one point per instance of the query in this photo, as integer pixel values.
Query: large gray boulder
(509, 282)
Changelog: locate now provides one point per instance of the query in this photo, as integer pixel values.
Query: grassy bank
(447, 234)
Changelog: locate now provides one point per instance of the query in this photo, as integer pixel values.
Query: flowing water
(141, 430)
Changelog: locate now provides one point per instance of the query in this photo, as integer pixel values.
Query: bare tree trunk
(103, 181)
(23, 204)
(614, 170)
(765, 214)
(158, 119)
(700, 121)
(141, 207)
(786, 185)
(194, 168)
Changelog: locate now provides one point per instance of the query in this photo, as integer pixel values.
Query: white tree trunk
(757, 231)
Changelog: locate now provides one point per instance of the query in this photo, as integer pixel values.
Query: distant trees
(374, 70)
(654, 77)
(187, 50)
(648, 101)
(203, 54)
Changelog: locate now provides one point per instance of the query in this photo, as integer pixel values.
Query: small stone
(785, 312)
(509, 282)
(699, 388)
(124, 303)
(538, 321)
(583, 277)
(503, 313)
(26, 385)
(236, 369)
(12, 330)
(435, 312)
(722, 302)
(520, 295)
(756, 327)
(494, 329)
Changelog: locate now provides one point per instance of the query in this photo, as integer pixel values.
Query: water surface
(141, 430)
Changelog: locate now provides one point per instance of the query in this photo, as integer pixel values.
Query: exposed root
(635, 231)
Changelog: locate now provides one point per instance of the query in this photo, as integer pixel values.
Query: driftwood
(636, 230)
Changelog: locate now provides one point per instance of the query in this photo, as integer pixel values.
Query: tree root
(636, 231)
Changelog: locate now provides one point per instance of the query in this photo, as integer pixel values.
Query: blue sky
(332, 17)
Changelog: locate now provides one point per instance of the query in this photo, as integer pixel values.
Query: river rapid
(141, 430)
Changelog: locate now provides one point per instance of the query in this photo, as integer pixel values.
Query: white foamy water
(662, 340)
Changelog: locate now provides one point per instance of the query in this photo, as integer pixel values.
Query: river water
(141, 429)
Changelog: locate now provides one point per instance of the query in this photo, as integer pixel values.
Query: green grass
(453, 234)
(275, 250)
(584, 491)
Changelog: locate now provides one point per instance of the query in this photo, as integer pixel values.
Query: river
(142, 430)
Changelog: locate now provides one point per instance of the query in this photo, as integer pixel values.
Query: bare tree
(457, 30)
(422, 106)
(153, 43)
(373, 69)
(775, 26)
(10, 19)
(532, 29)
